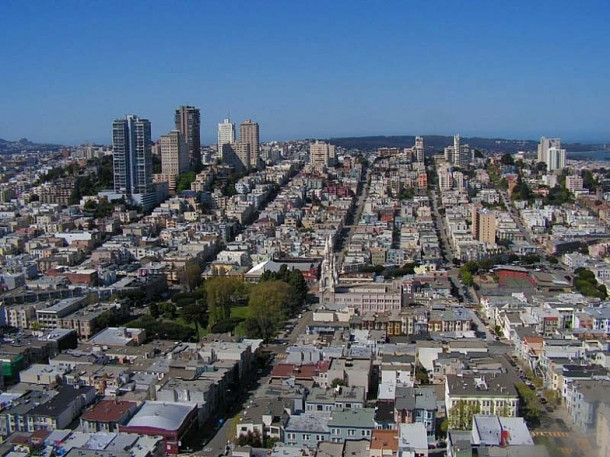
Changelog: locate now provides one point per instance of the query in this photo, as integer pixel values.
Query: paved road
(225, 432)
(357, 212)
(515, 215)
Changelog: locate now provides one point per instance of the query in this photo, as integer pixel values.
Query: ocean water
(589, 155)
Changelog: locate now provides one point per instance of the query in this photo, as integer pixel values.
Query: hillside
(7, 147)
(438, 142)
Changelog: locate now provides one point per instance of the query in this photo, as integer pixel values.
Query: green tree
(184, 181)
(222, 293)
(507, 159)
(461, 414)
(195, 313)
(337, 382)
(268, 303)
(191, 275)
(153, 309)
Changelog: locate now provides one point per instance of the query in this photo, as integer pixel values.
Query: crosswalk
(551, 434)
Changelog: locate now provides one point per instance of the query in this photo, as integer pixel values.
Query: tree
(507, 159)
(191, 276)
(461, 414)
(196, 313)
(184, 181)
(268, 304)
(153, 309)
(337, 382)
(422, 376)
(222, 292)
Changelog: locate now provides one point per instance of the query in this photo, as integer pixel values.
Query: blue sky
(307, 69)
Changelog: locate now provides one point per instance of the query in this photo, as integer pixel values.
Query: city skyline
(312, 71)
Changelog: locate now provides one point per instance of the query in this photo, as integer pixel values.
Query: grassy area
(240, 312)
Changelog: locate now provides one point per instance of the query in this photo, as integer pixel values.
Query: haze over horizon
(307, 70)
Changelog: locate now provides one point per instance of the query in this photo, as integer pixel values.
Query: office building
(131, 156)
(249, 134)
(545, 145)
(418, 150)
(321, 155)
(226, 134)
(188, 122)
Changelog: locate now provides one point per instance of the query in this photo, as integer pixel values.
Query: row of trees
(586, 283)
(267, 304)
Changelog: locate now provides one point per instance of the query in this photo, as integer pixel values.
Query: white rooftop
(162, 415)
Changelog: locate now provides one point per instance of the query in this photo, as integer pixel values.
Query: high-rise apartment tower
(226, 134)
(131, 155)
(248, 133)
(188, 123)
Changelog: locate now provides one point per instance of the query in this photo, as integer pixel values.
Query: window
(351, 432)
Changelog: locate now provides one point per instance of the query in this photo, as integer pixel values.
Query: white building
(545, 145)
(226, 134)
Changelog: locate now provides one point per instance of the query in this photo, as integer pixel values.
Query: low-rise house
(351, 424)
(412, 441)
(468, 395)
(107, 415)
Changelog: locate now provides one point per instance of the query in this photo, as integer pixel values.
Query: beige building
(174, 156)
(249, 134)
(484, 225)
(321, 154)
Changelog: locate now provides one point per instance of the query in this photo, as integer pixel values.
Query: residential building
(418, 149)
(188, 123)
(412, 440)
(555, 159)
(132, 159)
(544, 145)
(249, 134)
(467, 395)
(174, 157)
(107, 415)
(321, 155)
(351, 424)
(226, 134)
(484, 225)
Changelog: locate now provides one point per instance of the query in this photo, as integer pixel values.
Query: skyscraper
(418, 150)
(226, 134)
(188, 122)
(550, 152)
(174, 157)
(321, 155)
(458, 155)
(555, 159)
(248, 133)
(131, 155)
(545, 145)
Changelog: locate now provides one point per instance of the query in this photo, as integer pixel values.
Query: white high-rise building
(555, 159)
(458, 155)
(418, 150)
(226, 134)
(545, 145)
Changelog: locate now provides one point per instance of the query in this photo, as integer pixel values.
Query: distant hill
(7, 147)
(438, 142)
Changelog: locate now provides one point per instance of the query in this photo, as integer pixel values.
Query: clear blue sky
(305, 69)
